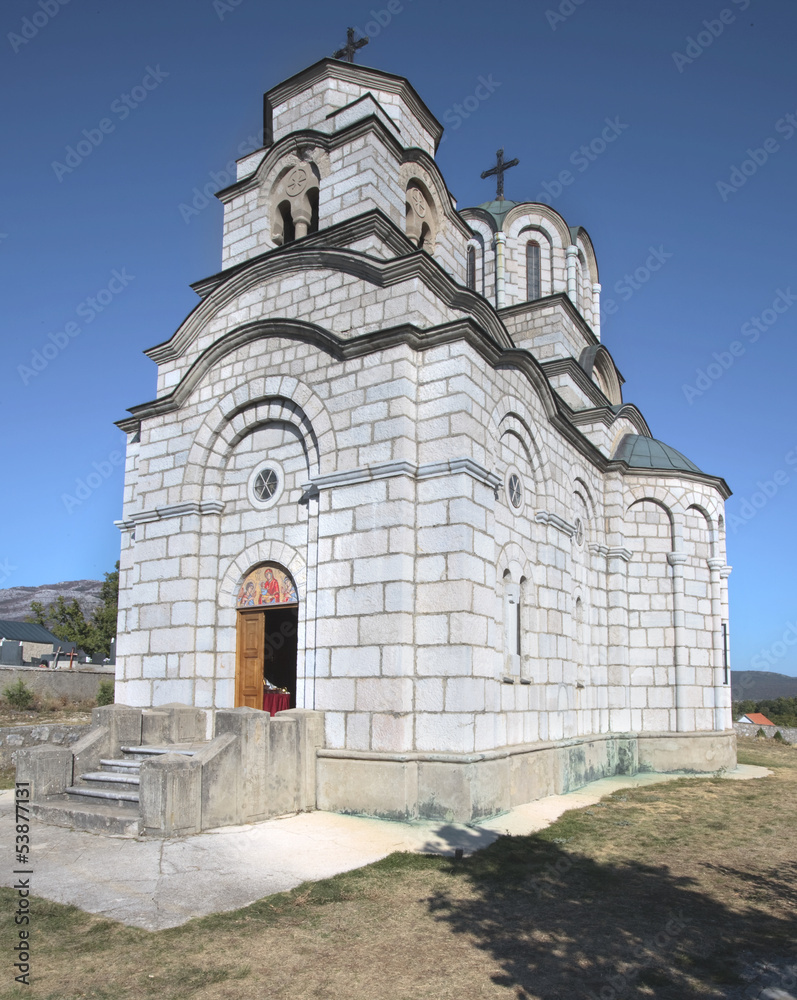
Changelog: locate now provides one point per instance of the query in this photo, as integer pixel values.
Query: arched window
(471, 279)
(512, 626)
(288, 234)
(532, 270)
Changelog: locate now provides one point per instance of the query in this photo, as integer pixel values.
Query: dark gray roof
(28, 632)
(647, 453)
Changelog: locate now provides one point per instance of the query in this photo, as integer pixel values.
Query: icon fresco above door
(267, 585)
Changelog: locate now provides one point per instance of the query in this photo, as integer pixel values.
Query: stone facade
(482, 559)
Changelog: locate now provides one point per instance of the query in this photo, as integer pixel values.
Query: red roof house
(757, 719)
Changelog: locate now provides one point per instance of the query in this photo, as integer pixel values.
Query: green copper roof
(499, 210)
(648, 453)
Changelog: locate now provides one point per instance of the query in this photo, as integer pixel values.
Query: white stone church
(389, 471)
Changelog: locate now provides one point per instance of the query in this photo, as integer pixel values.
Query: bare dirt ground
(674, 891)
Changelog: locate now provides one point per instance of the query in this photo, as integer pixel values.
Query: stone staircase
(153, 772)
(107, 800)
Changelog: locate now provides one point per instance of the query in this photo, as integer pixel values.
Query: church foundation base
(467, 787)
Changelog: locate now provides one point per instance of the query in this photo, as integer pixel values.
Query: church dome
(640, 452)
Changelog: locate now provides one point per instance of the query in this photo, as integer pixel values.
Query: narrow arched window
(288, 227)
(472, 268)
(512, 626)
(532, 270)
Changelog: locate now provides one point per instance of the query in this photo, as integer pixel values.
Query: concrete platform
(156, 884)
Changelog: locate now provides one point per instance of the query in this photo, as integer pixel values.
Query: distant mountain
(15, 602)
(759, 685)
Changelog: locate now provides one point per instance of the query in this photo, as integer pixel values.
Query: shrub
(105, 693)
(19, 696)
(778, 736)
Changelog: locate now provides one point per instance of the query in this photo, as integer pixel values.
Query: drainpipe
(500, 271)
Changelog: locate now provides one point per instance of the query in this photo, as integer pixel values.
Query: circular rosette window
(515, 492)
(266, 485)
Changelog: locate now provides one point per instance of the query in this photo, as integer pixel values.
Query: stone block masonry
(487, 554)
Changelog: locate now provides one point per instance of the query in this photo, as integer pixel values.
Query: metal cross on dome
(348, 50)
(499, 170)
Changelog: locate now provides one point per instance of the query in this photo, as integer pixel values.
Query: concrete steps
(106, 801)
(93, 815)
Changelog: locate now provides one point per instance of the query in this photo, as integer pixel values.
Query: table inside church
(276, 701)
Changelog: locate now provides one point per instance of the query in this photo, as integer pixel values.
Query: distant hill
(15, 602)
(758, 685)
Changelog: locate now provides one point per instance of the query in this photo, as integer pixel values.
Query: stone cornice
(300, 257)
(460, 330)
(498, 357)
(340, 236)
(717, 482)
(606, 415)
(611, 552)
(571, 368)
(174, 510)
(389, 470)
(545, 517)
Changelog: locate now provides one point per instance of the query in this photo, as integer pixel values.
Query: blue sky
(163, 95)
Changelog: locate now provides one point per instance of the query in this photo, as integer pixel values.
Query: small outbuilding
(756, 719)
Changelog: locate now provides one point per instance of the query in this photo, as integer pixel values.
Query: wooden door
(249, 660)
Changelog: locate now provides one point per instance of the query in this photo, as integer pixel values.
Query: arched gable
(253, 404)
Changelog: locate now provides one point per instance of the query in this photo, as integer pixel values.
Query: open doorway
(267, 636)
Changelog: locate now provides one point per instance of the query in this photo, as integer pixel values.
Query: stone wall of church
(409, 555)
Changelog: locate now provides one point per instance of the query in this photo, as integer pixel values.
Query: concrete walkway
(156, 884)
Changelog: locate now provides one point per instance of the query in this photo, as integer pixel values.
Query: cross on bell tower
(348, 50)
(498, 170)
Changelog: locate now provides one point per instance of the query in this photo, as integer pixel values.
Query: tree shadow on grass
(561, 926)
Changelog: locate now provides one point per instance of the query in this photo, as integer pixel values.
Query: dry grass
(668, 891)
(48, 712)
